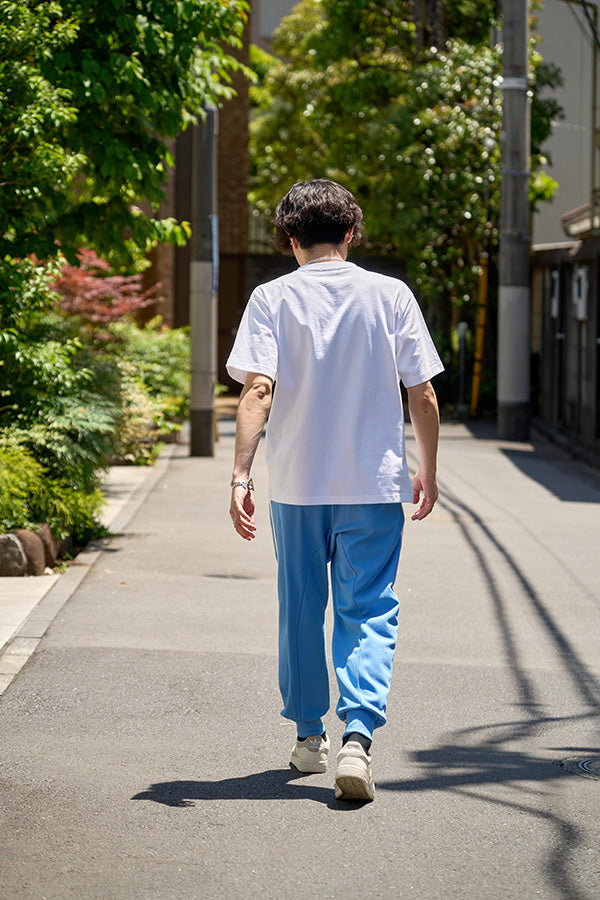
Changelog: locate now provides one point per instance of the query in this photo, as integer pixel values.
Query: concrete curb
(26, 639)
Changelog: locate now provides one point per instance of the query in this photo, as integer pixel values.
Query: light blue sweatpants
(362, 542)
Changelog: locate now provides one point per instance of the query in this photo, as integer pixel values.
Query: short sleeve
(417, 359)
(255, 346)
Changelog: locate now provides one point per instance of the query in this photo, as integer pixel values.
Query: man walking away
(335, 341)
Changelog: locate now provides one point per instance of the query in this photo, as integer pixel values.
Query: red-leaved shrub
(89, 291)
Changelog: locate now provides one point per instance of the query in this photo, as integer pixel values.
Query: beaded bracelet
(249, 485)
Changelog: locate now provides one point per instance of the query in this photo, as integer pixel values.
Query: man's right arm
(253, 409)
(425, 419)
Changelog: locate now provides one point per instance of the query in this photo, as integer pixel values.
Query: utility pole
(204, 277)
(514, 291)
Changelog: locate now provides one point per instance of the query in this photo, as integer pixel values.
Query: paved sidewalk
(141, 750)
(20, 596)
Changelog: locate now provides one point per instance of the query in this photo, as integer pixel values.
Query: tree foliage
(413, 129)
(78, 390)
(88, 95)
(37, 168)
(56, 400)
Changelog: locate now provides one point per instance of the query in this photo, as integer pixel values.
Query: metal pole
(514, 291)
(479, 332)
(203, 285)
(462, 406)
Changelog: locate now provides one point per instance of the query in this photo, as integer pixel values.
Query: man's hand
(242, 512)
(427, 486)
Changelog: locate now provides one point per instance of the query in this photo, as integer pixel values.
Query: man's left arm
(425, 420)
(253, 409)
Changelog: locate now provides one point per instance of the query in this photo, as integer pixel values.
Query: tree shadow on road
(475, 758)
(471, 760)
(457, 765)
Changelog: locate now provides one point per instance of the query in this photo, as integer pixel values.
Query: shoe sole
(308, 768)
(350, 786)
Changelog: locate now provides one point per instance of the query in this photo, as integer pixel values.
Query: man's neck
(321, 253)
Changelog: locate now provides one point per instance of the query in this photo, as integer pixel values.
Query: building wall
(568, 339)
(265, 16)
(567, 41)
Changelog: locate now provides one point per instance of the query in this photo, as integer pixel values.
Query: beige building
(566, 238)
(265, 17)
(567, 40)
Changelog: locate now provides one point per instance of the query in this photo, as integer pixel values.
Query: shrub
(160, 357)
(54, 405)
(152, 362)
(137, 431)
(58, 410)
(78, 390)
(24, 292)
(28, 496)
(21, 479)
(95, 294)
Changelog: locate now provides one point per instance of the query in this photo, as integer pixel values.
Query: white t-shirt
(337, 340)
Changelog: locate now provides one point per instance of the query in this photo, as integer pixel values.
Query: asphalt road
(142, 754)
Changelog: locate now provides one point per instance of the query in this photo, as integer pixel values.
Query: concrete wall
(567, 41)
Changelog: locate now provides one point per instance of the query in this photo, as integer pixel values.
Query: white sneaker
(310, 755)
(353, 778)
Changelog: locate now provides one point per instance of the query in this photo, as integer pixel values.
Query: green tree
(411, 128)
(37, 168)
(88, 96)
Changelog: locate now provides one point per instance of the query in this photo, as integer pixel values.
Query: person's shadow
(274, 784)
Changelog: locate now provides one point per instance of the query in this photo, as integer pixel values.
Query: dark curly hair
(316, 212)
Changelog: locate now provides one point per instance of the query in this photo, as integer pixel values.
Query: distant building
(568, 42)
(566, 237)
(264, 19)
